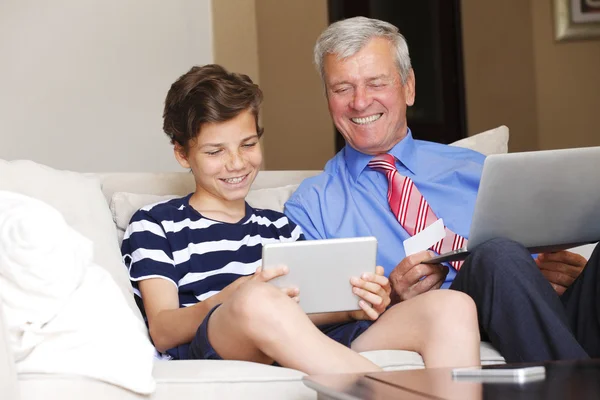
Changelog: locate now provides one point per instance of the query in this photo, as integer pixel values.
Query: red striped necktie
(410, 207)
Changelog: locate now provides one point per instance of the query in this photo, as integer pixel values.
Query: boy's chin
(236, 195)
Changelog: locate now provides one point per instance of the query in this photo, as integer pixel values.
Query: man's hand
(561, 268)
(374, 290)
(411, 278)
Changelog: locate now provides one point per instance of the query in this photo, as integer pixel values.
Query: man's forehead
(365, 67)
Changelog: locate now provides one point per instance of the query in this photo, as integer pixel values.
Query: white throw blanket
(64, 313)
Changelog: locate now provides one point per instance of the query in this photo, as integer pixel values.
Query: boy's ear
(181, 155)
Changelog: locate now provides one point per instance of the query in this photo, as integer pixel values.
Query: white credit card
(426, 238)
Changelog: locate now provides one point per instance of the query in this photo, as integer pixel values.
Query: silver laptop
(546, 200)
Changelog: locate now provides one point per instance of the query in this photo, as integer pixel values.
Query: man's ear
(181, 156)
(409, 88)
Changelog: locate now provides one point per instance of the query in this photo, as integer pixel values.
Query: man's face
(366, 97)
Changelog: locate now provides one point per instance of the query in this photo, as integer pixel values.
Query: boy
(195, 261)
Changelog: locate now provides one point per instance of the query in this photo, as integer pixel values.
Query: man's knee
(500, 245)
(497, 255)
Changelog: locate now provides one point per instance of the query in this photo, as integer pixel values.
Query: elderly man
(386, 184)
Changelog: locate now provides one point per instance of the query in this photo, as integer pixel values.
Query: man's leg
(517, 308)
(581, 301)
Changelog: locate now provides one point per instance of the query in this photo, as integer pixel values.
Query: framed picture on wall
(576, 19)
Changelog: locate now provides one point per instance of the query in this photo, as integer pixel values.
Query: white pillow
(65, 314)
(80, 200)
(124, 204)
(271, 198)
(493, 141)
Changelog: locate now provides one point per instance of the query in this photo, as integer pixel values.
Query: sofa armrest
(8, 374)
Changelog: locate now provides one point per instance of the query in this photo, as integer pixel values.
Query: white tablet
(322, 269)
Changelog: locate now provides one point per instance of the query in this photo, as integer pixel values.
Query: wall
(235, 40)
(499, 69)
(83, 81)
(546, 92)
(299, 133)
(568, 85)
(272, 41)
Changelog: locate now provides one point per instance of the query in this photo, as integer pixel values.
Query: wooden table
(563, 380)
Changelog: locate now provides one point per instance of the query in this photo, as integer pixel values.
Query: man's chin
(374, 148)
(370, 148)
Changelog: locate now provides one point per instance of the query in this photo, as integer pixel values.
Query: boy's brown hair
(207, 94)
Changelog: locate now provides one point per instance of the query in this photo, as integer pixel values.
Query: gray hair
(347, 37)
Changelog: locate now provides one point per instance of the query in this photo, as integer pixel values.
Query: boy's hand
(268, 274)
(374, 290)
(228, 290)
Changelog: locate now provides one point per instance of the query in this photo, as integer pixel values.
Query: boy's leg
(260, 323)
(441, 325)
(582, 304)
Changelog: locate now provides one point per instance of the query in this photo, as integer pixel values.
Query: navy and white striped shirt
(200, 256)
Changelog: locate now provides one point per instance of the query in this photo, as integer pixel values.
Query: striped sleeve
(289, 231)
(146, 250)
(296, 231)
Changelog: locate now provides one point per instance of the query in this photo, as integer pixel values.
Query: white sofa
(99, 205)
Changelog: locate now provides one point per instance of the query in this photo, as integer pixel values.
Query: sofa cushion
(124, 204)
(218, 379)
(184, 379)
(80, 200)
(395, 360)
(182, 183)
(493, 141)
(271, 198)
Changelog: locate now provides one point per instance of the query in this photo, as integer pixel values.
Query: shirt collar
(403, 151)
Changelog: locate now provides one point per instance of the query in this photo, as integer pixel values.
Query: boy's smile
(236, 180)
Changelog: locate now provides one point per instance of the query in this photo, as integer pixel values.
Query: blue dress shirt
(349, 199)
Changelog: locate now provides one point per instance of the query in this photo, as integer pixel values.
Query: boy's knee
(455, 302)
(258, 309)
(454, 309)
(255, 301)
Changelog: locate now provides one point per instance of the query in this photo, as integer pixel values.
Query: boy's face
(224, 158)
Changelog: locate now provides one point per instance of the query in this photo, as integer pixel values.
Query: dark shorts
(344, 333)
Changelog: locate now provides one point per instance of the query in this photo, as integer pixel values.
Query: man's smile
(366, 120)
